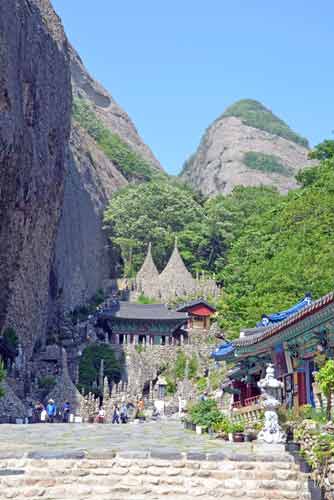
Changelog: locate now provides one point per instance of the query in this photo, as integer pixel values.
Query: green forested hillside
(266, 249)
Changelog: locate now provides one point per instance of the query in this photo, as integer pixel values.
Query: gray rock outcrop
(219, 162)
(83, 259)
(35, 110)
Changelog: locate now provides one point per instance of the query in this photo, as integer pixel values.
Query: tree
(89, 367)
(152, 212)
(325, 379)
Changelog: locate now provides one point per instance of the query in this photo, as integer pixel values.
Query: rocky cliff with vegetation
(247, 145)
(65, 148)
(35, 112)
(106, 152)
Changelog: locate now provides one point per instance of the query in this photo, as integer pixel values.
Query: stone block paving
(140, 462)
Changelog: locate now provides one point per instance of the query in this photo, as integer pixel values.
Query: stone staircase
(153, 476)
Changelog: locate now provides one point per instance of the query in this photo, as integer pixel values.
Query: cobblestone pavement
(165, 436)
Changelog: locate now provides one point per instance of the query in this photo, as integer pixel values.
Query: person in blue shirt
(66, 412)
(51, 410)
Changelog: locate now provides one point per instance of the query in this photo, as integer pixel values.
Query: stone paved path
(165, 436)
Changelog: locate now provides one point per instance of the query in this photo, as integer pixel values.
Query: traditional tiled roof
(176, 278)
(291, 320)
(194, 303)
(129, 310)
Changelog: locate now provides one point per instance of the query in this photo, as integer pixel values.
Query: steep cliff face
(83, 259)
(35, 108)
(248, 146)
(106, 108)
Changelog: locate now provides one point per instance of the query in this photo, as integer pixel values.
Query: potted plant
(141, 416)
(222, 428)
(237, 429)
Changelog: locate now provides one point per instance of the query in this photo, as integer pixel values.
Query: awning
(223, 351)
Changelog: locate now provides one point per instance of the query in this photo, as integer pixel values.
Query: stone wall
(141, 476)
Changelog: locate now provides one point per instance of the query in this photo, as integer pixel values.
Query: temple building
(199, 312)
(175, 281)
(149, 324)
(290, 340)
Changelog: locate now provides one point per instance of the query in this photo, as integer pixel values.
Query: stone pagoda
(174, 282)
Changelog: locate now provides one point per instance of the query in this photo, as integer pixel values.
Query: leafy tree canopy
(89, 367)
(283, 249)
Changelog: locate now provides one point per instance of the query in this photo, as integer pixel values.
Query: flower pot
(238, 437)
(250, 436)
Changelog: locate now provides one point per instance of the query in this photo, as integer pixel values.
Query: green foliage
(254, 114)
(89, 367)
(47, 382)
(206, 414)
(10, 339)
(309, 413)
(130, 163)
(154, 211)
(139, 348)
(193, 367)
(325, 379)
(237, 427)
(2, 377)
(324, 151)
(171, 387)
(180, 365)
(142, 299)
(217, 377)
(202, 384)
(266, 163)
(280, 250)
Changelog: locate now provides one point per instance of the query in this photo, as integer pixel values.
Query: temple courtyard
(166, 437)
(147, 461)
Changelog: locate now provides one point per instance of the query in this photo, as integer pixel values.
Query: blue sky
(174, 66)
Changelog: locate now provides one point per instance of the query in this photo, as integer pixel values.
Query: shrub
(206, 414)
(266, 163)
(202, 384)
(10, 339)
(171, 386)
(325, 379)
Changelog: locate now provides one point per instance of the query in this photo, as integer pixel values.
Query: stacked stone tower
(174, 282)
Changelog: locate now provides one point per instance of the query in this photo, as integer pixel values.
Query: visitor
(51, 410)
(30, 413)
(124, 413)
(37, 412)
(101, 416)
(43, 415)
(66, 412)
(155, 414)
(116, 416)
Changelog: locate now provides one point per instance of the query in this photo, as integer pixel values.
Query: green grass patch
(254, 114)
(129, 162)
(266, 163)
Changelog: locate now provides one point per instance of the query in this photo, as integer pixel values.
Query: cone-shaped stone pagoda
(147, 280)
(175, 280)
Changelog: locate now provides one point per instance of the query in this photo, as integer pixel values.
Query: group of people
(49, 413)
(119, 414)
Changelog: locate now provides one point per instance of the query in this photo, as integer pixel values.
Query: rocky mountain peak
(247, 145)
